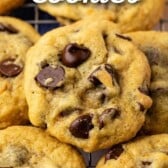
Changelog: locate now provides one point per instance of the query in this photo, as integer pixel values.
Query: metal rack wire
(43, 23)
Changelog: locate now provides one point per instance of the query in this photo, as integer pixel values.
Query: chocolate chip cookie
(139, 16)
(145, 152)
(155, 46)
(16, 37)
(8, 5)
(88, 85)
(25, 147)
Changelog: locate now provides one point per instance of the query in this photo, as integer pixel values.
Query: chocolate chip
(113, 72)
(124, 37)
(93, 78)
(110, 114)
(105, 75)
(81, 126)
(152, 55)
(141, 107)
(9, 69)
(114, 153)
(8, 28)
(74, 55)
(102, 98)
(146, 163)
(50, 77)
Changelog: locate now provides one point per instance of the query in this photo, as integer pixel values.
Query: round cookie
(130, 17)
(145, 152)
(155, 46)
(25, 147)
(88, 85)
(16, 37)
(8, 5)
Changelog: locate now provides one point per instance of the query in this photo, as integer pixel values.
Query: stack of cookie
(92, 84)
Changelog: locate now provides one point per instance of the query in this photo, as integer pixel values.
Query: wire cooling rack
(44, 22)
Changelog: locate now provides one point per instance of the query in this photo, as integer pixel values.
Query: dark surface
(40, 20)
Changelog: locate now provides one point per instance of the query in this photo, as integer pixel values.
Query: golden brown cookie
(145, 152)
(88, 84)
(16, 37)
(155, 46)
(28, 147)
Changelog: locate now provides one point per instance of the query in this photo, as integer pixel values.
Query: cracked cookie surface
(88, 85)
(155, 46)
(16, 37)
(142, 15)
(145, 152)
(30, 147)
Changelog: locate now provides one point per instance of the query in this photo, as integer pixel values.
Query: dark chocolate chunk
(74, 55)
(8, 28)
(81, 126)
(50, 77)
(124, 37)
(110, 113)
(114, 153)
(9, 69)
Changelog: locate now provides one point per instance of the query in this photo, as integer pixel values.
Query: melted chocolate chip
(74, 55)
(114, 153)
(146, 163)
(93, 78)
(112, 72)
(81, 126)
(50, 77)
(8, 28)
(110, 113)
(124, 37)
(9, 69)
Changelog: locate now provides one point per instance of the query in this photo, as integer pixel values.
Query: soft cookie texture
(130, 17)
(7, 5)
(88, 85)
(29, 147)
(155, 46)
(16, 37)
(145, 152)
